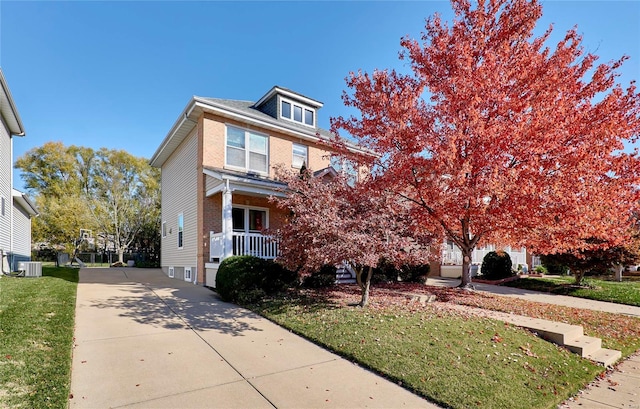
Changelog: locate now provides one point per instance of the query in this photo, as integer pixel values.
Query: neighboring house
(218, 166)
(452, 258)
(13, 222)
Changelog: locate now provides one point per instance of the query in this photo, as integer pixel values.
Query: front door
(247, 221)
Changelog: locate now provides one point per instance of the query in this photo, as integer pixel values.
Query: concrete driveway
(143, 340)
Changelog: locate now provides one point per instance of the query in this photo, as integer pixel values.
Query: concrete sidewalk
(143, 340)
(537, 296)
(620, 388)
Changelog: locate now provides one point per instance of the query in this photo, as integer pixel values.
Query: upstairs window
(299, 156)
(247, 150)
(346, 167)
(297, 113)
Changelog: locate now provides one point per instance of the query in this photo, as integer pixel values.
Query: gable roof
(8, 109)
(244, 111)
(277, 90)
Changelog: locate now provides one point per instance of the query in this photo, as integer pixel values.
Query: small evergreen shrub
(553, 266)
(387, 272)
(325, 277)
(496, 265)
(248, 279)
(414, 273)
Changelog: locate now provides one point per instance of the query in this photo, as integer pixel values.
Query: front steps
(570, 336)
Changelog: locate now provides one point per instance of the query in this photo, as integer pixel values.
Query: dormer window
(296, 112)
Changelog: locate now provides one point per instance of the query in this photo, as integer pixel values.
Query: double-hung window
(247, 150)
(299, 156)
(345, 167)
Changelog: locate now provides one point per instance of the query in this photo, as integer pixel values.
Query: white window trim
(246, 215)
(294, 103)
(246, 151)
(180, 215)
(172, 272)
(185, 274)
(293, 155)
(163, 229)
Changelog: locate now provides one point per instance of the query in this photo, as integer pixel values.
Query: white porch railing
(251, 244)
(454, 255)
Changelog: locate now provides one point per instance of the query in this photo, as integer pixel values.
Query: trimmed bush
(325, 277)
(496, 265)
(553, 266)
(248, 279)
(387, 272)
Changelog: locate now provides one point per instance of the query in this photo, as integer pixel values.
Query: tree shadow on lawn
(180, 311)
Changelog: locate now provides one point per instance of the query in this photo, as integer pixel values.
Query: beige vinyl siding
(5, 187)
(21, 232)
(179, 195)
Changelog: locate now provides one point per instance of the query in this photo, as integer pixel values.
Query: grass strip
(36, 335)
(453, 359)
(625, 292)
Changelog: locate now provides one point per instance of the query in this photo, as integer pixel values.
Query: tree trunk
(365, 288)
(619, 268)
(121, 255)
(578, 274)
(466, 270)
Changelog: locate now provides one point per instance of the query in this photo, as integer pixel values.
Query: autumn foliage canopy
(496, 135)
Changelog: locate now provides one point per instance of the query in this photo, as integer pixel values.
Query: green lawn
(450, 358)
(625, 292)
(36, 335)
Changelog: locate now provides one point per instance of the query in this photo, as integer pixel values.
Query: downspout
(11, 204)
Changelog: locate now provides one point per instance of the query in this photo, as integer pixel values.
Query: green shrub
(325, 277)
(414, 273)
(248, 279)
(554, 267)
(387, 272)
(541, 269)
(496, 265)
(147, 263)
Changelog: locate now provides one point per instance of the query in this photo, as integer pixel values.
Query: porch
(241, 244)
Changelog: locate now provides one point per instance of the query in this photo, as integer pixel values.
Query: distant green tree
(108, 191)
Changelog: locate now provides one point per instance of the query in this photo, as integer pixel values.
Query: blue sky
(117, 74)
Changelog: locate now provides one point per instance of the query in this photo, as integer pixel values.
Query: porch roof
(217, 179)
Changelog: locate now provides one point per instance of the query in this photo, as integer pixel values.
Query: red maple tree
(334, 221)
(494, 136)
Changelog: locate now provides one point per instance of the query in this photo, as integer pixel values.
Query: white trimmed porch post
(227, 221)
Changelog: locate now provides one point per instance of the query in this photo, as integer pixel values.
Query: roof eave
(25, 203)
(9, 111)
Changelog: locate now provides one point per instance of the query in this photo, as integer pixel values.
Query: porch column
(227, 221)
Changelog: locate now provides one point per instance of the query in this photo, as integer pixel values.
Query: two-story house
(217, 164)
(16, 210)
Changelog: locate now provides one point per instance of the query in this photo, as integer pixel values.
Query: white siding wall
(21, 232)
(179, 195)
(5, 187)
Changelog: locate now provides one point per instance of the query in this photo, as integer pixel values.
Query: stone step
(604, 356)
(556, 332)
(570, 336)
(584, 346)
